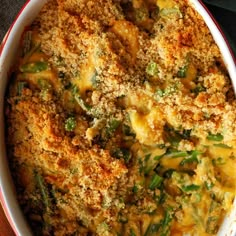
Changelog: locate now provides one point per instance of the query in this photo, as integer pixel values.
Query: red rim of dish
(2, 45)
(1, 50)
(219, 29)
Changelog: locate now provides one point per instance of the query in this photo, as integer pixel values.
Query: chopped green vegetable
(155, 182)
(152, 69)
(198, 89)
(206, 115)
(182, 73)
(75, 73)
(218, 161)
(215, 137)
(70, 123)
(188, 160)
(214, 205)
(160, 92)
(198, 197)
(152, 229)
(174, 153)
(167, 174)
(222, 145)
(43, 189)
(60, 61)
(212, 225)
(132, 233)
(162, 197)
(172, 136)
(29, 46)
(208, 185)
(82, 103)
(171, 89)
(141, 165)
(127, 130)
(104, 226)
(94, 79)
(195, 153)
(27, 42)
(161, 146)
(165, 223)
(156, 158)
(34, 67)
(135, 189)
(112, 126)
(122, 153)
(189, 188)
(74, 89)
(186, 133)
(149, 163)
(74, 171)
(192, 157)
(20, 86)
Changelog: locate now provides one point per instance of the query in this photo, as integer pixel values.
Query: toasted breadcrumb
(127, 80)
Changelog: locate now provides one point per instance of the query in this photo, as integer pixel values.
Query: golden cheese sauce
(121, 121)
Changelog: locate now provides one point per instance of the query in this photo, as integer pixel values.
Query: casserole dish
(7, 58)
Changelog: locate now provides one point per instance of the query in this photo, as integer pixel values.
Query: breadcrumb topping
(121, 121)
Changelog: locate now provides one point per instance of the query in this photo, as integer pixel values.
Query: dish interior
(108, 128)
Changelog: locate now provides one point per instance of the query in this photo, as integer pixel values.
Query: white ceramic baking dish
(7, 55)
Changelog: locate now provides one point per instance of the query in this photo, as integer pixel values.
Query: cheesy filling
(121, 121)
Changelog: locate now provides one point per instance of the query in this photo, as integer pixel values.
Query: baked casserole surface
(121, 121)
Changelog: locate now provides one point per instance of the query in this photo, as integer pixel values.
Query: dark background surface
(224, 12)
(8, 12)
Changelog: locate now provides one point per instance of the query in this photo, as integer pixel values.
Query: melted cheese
(165, 4)
(148, 128)
(84, 80)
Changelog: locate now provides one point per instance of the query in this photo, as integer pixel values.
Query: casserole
(228, 60)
